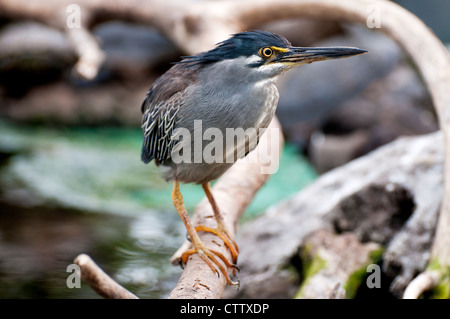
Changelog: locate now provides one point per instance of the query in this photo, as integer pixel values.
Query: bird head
(267, 54)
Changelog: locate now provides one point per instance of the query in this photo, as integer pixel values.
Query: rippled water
(37, 245)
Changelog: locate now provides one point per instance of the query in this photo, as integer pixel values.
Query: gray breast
(219, 124)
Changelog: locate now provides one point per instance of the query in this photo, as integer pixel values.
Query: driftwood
(332, 260)
(387, 201)
(196, 26)
(99, 281)
(424, 282)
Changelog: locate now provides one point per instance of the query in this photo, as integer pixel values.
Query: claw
(209, 256)
(231, 244)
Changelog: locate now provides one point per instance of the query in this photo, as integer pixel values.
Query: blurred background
(71, 180)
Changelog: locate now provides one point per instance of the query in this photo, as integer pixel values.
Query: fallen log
(389, 198)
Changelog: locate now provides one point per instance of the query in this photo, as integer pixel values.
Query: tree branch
(99, 281)
(90, 56)
(422, 283)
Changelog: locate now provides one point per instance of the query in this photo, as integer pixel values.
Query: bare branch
(104, 285)
(90, 56)
(422, 283)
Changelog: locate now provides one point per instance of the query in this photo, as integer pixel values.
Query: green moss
(375, 255)
(354, 281)
(356, 278)
(442, 289)
(436, 265)
(312, 264)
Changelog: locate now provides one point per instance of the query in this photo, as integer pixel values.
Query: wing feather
(160, 111)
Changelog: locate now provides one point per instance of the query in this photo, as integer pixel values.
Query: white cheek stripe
(265, 67)
(268, 67)
(253, 59)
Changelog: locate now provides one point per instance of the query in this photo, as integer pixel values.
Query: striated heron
(230, 86)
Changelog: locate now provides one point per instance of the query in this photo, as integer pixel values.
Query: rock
(339, 110)
(308, 93)
(60, 103)
(406, 177)
(36, 83)
(395, 105)
(132, 50)
(32, 54)
(327, 151)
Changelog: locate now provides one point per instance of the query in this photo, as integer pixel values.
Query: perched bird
(230, 86)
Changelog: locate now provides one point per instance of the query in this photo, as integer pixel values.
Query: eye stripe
(284, 50)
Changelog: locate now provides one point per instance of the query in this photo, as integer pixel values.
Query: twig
(90, 56)
(104, 285)
(423, 282)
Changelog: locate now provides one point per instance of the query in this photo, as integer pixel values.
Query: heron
(229, 86)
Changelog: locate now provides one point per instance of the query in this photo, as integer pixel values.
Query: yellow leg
(209, 256)
(221, 229)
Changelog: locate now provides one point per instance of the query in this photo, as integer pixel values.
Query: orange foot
(210, 256)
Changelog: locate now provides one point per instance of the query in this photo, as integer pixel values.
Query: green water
(66, 191)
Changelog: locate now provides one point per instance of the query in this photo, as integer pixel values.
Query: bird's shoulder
(175, 80)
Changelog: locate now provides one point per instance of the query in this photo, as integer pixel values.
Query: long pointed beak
(300, 55)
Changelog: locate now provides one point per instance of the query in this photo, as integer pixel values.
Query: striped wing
(158, 123)
(160, 111)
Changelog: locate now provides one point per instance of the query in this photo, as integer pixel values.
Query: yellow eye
(266, 52)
